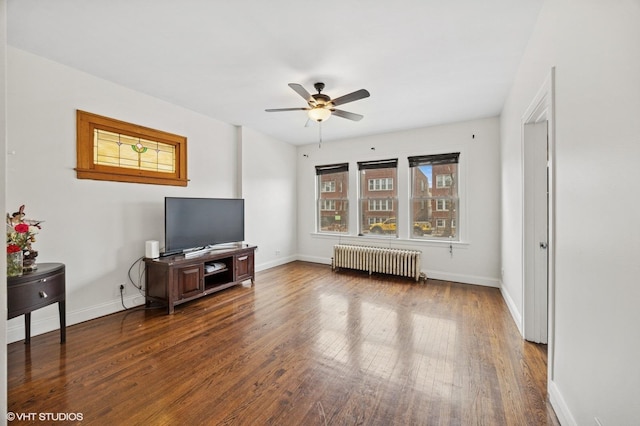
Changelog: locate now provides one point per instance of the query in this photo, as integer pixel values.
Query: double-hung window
(378, 197)
(434, 195)
(332, 204)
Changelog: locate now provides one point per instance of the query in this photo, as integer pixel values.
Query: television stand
(177, 279)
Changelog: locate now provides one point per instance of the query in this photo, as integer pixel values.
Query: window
(109, 149)
(442, 205)
(328, 186)
(378, 197)
(443, 181)
(326, 205)
(434, 195)
(332, 202)
(384, 184)
(380, 205)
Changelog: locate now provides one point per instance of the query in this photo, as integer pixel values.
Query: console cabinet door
(244, 266)
(190, 281)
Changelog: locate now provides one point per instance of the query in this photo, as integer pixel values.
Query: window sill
(361, 239)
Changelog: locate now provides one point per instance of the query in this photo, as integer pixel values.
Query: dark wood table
(37, 289)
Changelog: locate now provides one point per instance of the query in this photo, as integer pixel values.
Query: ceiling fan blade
(286, 109)
(346, 114)
(301, 91)
(354, 96)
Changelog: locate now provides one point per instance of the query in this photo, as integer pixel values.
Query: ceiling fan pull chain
(320, 134)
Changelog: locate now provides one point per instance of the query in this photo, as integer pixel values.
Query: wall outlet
(277, 252)
(121, 289)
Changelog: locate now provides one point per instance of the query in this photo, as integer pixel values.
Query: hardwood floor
(305, 346)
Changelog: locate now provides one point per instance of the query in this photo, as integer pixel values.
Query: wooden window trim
(86, 168)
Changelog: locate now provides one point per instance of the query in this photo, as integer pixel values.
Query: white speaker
(152, 249)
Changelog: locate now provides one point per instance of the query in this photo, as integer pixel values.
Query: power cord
(141, 271)
(122, 296)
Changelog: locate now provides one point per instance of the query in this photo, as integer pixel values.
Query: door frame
(542, 108)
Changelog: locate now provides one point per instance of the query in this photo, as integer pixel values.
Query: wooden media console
(178, 279)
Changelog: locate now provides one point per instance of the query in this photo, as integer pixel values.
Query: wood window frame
(87, 123)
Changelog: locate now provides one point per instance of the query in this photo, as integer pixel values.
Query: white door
(536, 259)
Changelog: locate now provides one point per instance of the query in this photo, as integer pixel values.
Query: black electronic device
(196, 223)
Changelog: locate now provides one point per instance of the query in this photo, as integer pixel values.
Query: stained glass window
(110, 149)
(114, 149)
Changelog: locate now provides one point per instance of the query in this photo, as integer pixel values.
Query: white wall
(594, 46)
(476, 258)
(3, 181)
(269, 189)
(98, 228)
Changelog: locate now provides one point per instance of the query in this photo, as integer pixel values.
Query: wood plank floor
(305, 346)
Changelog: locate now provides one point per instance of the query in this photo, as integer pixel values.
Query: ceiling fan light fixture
(320, 106)
(319, 114)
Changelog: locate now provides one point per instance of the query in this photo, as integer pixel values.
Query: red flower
(21, 228)
(12, 248)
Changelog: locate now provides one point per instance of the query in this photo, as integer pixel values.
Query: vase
(14, 264)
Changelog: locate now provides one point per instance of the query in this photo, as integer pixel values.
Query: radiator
(392, 261)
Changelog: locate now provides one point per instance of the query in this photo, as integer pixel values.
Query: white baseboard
(315, 259)
(47, 319)
(560, 406)
(436, 275)
(462, 278)
(513, 309)
(274, 263)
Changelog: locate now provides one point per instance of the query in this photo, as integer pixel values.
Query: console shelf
(175, 279)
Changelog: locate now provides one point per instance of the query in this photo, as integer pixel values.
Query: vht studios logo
(45, 417)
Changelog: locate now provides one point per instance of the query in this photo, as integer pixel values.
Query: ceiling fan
(321, 107)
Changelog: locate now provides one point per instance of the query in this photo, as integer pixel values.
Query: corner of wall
(3, 184)
(559, 405)
(239, 169)
(513, 309)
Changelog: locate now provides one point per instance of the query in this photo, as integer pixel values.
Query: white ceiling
(425, 62)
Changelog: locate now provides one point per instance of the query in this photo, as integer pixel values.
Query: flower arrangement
(21, 233)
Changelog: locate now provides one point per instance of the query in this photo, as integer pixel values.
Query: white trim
(274, 263)
(560, 405)
(315, 259)
(543, 107)
(463, 278)
(513, 308)
(389, 241)
(51, 320)
(431, 274)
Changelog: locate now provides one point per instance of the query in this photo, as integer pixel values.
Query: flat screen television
(191, 223)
